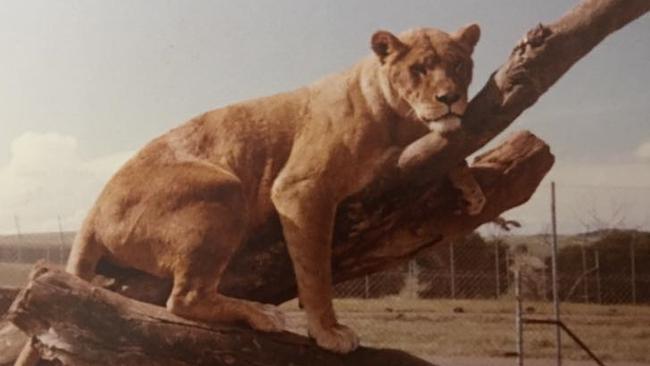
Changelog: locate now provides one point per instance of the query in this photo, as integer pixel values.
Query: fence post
(585, 278)
(507, 259)
(519, 321)
(544, 284)
(556, 297)
(597, 261)
(452, 270)
(497, 269)
(633, 267)
(21, 242)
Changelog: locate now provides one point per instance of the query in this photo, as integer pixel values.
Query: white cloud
(644, 151)
(46, 178)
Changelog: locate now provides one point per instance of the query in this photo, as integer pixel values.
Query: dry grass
(486, 328)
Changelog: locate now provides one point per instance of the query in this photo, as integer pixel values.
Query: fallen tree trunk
(78, 324)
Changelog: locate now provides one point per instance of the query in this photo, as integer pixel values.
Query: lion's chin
(448, 124)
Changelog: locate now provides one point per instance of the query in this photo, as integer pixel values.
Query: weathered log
(76, 323)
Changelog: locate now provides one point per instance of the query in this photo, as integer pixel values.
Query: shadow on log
(76, 323)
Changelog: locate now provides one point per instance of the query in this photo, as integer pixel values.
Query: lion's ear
(469, 35)
(384, 44)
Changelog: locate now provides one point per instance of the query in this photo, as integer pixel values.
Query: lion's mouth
(446, 116)
(448, 122)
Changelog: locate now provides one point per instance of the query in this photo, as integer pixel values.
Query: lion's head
(426, 72)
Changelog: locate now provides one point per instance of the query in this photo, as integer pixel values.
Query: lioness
(185, 202)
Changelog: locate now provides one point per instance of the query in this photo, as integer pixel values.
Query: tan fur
(183, 204)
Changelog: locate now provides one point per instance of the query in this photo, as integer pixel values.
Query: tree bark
(75, 323)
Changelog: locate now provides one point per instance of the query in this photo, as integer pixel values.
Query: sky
(84, 84)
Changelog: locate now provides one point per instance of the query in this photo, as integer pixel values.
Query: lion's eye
(418, 70)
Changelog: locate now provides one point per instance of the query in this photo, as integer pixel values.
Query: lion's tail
(85, 254)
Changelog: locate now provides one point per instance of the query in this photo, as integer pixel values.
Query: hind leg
(211, 232)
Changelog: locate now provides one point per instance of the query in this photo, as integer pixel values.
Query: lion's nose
(448, 98)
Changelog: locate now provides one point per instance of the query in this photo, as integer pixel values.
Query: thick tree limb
(78, 324)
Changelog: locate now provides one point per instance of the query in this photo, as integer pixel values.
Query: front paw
(338, 339)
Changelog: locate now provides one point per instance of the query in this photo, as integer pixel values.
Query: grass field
(472, 328)
(486, 328)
